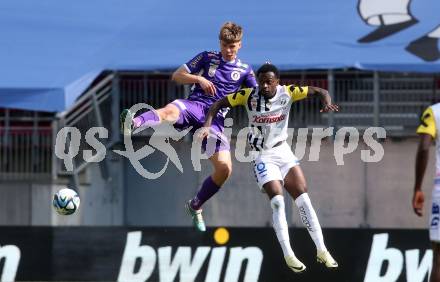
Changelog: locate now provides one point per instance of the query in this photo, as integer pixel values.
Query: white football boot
(325, 258)
(295, 264)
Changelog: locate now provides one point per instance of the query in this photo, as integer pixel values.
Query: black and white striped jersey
(268, 118)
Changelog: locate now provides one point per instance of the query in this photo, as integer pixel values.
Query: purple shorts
(193, 113)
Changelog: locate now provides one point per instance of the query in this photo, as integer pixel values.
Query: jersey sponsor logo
(195, 61)
(435, 215)
(434, 222)
(261, 169)
(435, 209)
(235, 75)
(268, 119)
(212, 69)
(283, 101)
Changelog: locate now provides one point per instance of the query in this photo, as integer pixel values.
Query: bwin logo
(186, 264)
(417, 265)
(11, 255)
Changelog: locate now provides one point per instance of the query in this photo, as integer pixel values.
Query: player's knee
(169, 114)
(224, 170)
(301, 188)
(277, 202)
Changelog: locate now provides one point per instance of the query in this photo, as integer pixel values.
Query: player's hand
(329, 108)
(207, 86)
(202, 133)
(417, 202)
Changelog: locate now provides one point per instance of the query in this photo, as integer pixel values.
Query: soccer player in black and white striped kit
(275, 166)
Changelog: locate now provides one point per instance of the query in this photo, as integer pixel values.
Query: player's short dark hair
(268, 67)
(231, 32)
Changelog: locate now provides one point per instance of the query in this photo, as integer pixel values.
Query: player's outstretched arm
(213, 110)
(181, 75)
(422, 158)
(326, 100)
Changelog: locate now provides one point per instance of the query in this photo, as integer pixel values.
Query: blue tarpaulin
(50, 51)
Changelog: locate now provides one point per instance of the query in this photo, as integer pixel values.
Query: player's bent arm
(213, 110)
(325, 98)
(181, 75)
(321, 93)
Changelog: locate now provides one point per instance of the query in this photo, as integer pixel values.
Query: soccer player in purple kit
(213, 75)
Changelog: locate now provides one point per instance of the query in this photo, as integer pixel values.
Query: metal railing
(156, 90)
(25, 153)
(96, 108)
(391, 100)
(25, 145)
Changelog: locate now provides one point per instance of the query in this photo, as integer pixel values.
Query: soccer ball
(66, 201)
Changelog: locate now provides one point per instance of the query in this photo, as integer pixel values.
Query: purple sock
(147, 119)
(209, 188)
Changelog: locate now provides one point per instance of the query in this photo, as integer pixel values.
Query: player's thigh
(266, 171)
(285, 158)
(295, 181)
(169, 113)
(188, 114)
(273, 188)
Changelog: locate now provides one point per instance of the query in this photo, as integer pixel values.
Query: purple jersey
(227, 77)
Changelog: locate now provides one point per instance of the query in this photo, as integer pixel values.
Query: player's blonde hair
(231, 32)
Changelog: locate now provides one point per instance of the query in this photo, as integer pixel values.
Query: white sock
(280, 224)
(310, 220)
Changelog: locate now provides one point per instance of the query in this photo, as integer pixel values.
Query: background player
(428, 133)
(275, 166)
(214, 74)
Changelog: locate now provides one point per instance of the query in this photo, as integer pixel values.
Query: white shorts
(274, 164)
(434, 220)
